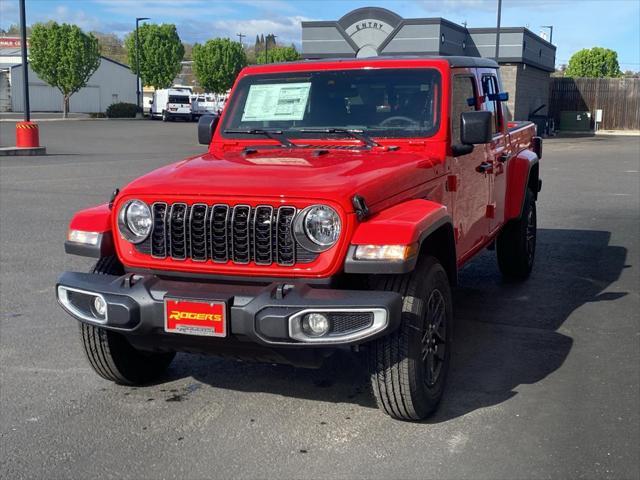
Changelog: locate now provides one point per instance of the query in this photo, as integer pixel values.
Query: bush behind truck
(334, 206)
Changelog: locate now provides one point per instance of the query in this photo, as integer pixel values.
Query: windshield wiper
(357, 134)
(276, 135)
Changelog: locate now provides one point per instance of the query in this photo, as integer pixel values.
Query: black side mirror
(476, 127)
(206, 128)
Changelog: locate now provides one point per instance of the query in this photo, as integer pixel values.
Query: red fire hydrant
(27, 134)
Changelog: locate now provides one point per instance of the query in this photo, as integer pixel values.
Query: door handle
(484, 167)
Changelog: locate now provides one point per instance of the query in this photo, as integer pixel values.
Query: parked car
(206, 104)
(171, 103)
(333, 209)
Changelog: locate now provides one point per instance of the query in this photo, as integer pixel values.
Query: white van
(172, 103)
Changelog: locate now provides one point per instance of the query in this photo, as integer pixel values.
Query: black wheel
(110, 354)
(409, 367)
(165, 116)
(516, 243)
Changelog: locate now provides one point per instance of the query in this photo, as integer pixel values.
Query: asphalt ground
(545, 379)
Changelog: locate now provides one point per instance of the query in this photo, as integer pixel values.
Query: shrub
(122, 110)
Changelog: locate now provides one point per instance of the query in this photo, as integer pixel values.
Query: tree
(161, 52)
(63, 56)
(594, 62)
(217, 63)
(279, 54)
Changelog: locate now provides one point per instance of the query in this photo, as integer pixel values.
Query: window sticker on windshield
(278, 101)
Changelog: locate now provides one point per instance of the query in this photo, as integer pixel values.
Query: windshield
(179, 99)
(381, 102)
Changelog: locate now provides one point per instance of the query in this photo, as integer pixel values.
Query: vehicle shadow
(506, 333)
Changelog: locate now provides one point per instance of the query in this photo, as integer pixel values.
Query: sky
(577, 24)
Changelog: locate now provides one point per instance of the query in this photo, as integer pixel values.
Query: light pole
(25, 61)
(138, 20)
(498, 30)
(550, 27)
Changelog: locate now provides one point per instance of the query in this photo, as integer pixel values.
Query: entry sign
(195, 317)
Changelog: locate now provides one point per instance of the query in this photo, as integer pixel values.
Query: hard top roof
(454, 61)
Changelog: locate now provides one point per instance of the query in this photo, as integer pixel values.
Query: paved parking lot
(545, 380)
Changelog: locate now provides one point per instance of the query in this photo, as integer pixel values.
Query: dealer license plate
(195, 317)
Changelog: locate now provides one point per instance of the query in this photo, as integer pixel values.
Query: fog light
(315, 324)
(100, 306)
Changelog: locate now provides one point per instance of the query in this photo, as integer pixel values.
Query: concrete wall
(110, 83)
(528, 89)
(533, 91)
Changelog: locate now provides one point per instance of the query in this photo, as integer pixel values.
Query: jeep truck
(334, 206)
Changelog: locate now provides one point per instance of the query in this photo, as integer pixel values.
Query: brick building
(526, 59)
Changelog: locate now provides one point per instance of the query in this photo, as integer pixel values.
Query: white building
(112, 82)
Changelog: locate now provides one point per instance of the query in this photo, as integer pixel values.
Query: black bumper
(258, 314)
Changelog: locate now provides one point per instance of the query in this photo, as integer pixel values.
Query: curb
(22, 151)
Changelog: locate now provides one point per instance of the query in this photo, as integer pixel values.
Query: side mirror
(476, 127)
(206, 128)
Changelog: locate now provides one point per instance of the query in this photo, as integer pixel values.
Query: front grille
(221, 233)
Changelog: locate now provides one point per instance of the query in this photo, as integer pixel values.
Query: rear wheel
(409, 367)
(516, 244)
(110, 354)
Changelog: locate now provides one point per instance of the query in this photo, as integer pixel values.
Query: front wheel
(110, 354)
(516, 244)
(409, 367)
(165, 116)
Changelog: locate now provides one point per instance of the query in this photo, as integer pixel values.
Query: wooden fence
(619, 99)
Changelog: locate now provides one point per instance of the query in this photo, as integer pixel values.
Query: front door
(471, 187)
(497, 151)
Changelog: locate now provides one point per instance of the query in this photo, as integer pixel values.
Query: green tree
(278, 54)
(594, 62)
(161, 52)
(63, 56)
(217, 64)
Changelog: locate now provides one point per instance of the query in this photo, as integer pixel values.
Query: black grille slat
(221, 233)
(178, 231)
(198, 232)
(218, 221)
(285, 243)
(159, 234)
(262, 235)
(240, 232)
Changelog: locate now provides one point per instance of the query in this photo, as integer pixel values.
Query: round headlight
(317, 228)
(134, 221)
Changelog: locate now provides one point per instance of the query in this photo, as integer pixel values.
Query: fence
(619, 99)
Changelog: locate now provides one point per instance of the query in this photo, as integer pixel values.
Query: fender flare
(407, 223)
(95, 219)
(523, 173)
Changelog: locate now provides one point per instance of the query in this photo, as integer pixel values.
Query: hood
(291, 174)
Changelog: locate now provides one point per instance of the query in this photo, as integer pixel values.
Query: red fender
(94, 219)
(519, 173)
(403, 224)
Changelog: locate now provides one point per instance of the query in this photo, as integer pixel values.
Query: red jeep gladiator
(332, 210)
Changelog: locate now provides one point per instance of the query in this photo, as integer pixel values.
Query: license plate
(195, 317)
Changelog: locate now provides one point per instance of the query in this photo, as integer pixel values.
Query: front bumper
(264, 314)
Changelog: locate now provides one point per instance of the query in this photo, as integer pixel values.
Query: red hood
(292, 174)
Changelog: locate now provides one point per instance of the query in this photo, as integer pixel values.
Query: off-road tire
(396, 364)
(110, 354)
(516, 243)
